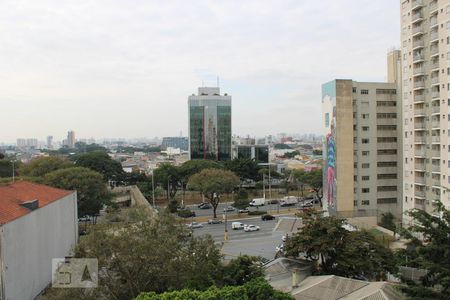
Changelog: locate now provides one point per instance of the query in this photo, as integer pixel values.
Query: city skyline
(73, 67)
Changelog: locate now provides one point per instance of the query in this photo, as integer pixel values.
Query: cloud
(116, 68)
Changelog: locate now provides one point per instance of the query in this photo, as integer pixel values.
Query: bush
(185, 213)
(241, 203)
(257, 213)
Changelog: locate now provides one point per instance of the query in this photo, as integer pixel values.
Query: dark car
(205, 205)
(214, 221)
(273, 201)
(267, 217)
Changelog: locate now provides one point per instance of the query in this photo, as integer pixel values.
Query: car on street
(214, 221)
(229, 208)
(204, 205)
(273, 201)
(267, 217)
(251, 228)
(85, 218)
(194, 225)
(280, 248)
(243, 211)
(237, 225)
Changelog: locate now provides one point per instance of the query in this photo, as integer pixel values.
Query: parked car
(194, 225)
(237, 225)
(288, 200)
(273, 201)
(229, 208)
(214, 221)
(306, 204)
(243, 211)
(204, 205)
(280, 248)
(251, 228)
(267, 217)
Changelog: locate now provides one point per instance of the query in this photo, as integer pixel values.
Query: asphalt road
(271, 208)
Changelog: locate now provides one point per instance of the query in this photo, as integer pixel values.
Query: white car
(251, 228)
(280, 248)
(194, 225)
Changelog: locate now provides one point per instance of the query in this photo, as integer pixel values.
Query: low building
(37, 223)
(260, 153)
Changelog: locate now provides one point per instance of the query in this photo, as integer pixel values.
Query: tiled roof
(14, 194)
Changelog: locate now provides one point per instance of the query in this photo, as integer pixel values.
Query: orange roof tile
(14, 194)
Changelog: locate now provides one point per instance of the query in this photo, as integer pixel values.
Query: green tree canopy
(241, 270)
(40, 166)
(244, 168)
(91, 190)
(194, 166)
(212, 183)
(314, 179)
(101, 162)
(430, 252)
(6, 167)
(168, 177)
(340, 252)
(257, 289)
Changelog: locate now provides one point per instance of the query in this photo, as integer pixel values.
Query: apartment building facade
(425, 38)
(362, 148)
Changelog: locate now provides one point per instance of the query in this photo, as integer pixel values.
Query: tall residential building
(362, 148)
(425, 38)
(49, 142)
(71, 139)
(209, 125)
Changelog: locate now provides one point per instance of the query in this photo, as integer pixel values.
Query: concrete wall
(28, 245)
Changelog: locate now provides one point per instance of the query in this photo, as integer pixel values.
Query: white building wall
(28, 245)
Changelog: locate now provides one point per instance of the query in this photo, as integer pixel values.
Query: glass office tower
(209, 125)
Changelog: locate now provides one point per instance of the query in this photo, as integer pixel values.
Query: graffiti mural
(329, 153)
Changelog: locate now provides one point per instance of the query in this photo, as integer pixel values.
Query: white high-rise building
(425, 37)
(71, 139)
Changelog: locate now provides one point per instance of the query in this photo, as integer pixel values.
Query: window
(327, 119)
(355, 165)
(386, 188)
(364, 92)
(365, 166)
(387, 151)
(365, 178)
(364, 141)
(354, 90)
(385, 164)
(387, 176)
(386, 91)
(386, 115)
(386, 103)
(365, 116)
(448, 25)
(387, 140)
(366, 153)
(387, 127)
(365, 128)
(365, 202)
(388, 200)
(355, 178)
(365, 190)
(448, 8)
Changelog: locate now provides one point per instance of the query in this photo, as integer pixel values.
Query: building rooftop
(20, 198)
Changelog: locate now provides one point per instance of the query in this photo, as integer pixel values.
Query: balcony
(419, 152)
(435, 168)
(434, 80)
(417, 17)
(419, 167)
(419, 126)
(434, 51)
(419, 112)
(434, 36)
(419, 98)
(436, 124)
(419, 84)
(433, 7)
(436, 139)
(433, 22)
(434, 65)
(419, 180)
(419, 203)
(420, 140)
(415, 4)
(435, 182)
(417, 30)
(435, 153)
(418, 57)
(435, 109)
(418, 43)
(419, 194)
(419, 71)
(435, 94)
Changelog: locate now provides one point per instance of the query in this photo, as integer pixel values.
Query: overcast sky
(125, 68)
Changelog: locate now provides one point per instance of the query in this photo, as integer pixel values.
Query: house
(37, 223)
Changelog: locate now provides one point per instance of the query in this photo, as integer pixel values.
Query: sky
(114, 68)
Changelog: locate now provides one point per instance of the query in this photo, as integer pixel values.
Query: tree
(241, 270)
(40, 166)
(314, 179)
(340, 252)
(212, 183)
(387, 221)
(257, 289)
(244, 168)
(143, 255)
(429, 249)
(6, 168)
(168, 177)
(194, 166)
(101, 162)
(91, 190)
